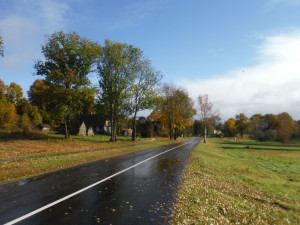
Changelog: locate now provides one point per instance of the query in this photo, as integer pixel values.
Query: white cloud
(270, 86)
(20, 41)
(23, 27)
(54, 14)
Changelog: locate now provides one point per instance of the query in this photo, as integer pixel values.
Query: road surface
(137, 188)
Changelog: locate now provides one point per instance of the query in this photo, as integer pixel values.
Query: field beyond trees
(247, 182)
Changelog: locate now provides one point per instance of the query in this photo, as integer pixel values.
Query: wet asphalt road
(143, 194)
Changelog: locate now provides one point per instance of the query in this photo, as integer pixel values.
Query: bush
(269, 135)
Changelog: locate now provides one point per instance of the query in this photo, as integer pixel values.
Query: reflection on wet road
(143, 194)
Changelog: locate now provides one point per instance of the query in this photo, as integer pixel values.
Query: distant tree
(230, 129)
(204, 108)
(87, 100)
(69, 59)
(286, 127)
(32, 112)
(177, 109)
(1, 47)
(117, 70)
(257, 126)
(154, 116)
(220, 127)
(39, 94)
(145, 129)
(156, 119)
(270, 122)
(144, 90)
(208, 117)
(35, 116)
(25, 122)
(15, 93)
(8, 114)
(197, 128)
(298, 124)
(242, 123)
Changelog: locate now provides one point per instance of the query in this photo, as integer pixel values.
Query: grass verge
(229, 183)
(23, 157)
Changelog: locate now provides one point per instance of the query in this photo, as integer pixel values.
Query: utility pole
(205, 134)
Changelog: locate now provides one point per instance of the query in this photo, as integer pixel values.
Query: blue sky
(243, 54)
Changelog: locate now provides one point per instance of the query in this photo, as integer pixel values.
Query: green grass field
(229, 182)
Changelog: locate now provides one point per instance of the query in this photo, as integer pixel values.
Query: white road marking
(86, 188)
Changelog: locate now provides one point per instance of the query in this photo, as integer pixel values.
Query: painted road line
(86, 188)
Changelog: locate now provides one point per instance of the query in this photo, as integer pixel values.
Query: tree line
(268, 127)
(15, 110)
(127, 84)
(127, 81)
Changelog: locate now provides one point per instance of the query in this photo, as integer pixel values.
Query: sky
(244, 54)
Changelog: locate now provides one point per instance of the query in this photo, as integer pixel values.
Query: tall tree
(197, 128)
(176, 109)
(1, 47)
(117, 71)
(15, 93)
(69, 58)
(230, 129)
(184, 111)
(286, 127)
(167, 108)
(38, 94)
(144, 90)
(242, 123)
(8, 113)
(205, 111)
(270, 122)
(257, 126)
(32, 113)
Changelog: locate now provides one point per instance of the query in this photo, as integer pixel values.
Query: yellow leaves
(154, 116)
(176, 107)
(8, 114)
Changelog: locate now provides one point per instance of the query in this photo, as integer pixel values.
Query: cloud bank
(270, 86)
(23, 29)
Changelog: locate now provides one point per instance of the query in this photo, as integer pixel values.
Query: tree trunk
(67, 135)
(115, 131)
(134, 127)
(112, 128)
(176, 134)
(171, 129)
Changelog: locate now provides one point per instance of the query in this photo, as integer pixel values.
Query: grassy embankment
(229, 182)
(26, 155)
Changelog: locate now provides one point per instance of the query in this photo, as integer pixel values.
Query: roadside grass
(226, 182)
(20, 145)
(27, 155)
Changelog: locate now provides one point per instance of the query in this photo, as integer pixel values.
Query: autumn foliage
(15, 111)
(269, 127)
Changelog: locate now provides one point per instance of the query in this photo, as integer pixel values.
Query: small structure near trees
(44, 127)
(90, 132)
(82, 130)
